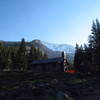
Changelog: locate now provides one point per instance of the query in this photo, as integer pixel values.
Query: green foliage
(31, 56)
(95, 38)
(35, 54)
(77, 81)
(44, 56)
(18, 57)
(79, 57)
(21, 56)
(88, 57)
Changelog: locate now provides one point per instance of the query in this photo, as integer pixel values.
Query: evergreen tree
(31, 56)
(4, 58)
(45, 56)
(8, 58)
(76, 58)
(18, 58)
(22, 56)
(39, 54)
(13, 57)
(94, 43)
(79, 58)
(1, 57)
(87, 58)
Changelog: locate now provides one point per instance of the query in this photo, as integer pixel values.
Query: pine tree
(31, 56)
(87, 58)
(45, 56)
(1, 56)
(76, 58)
(4, 58)
(79, 59)
(8, 58)
(22, 56)
(39, 54)
(94, 43)
(13, 57)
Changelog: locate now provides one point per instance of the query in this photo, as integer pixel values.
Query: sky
(54, 21)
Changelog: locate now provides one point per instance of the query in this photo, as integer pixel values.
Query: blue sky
(55, 21)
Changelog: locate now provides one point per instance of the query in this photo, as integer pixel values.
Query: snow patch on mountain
(60, 47)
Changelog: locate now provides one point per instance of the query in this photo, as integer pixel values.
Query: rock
(61, 95)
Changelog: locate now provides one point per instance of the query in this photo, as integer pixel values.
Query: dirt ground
(47, 86)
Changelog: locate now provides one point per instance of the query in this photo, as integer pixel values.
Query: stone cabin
(49, 65)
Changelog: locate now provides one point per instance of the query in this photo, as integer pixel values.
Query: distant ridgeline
(20, 55)
(52, 50)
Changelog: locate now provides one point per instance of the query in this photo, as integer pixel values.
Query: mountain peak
(36, 41)
(59, 47)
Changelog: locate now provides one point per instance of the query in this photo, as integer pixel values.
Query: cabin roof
(47, 60)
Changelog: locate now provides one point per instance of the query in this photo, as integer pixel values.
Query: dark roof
(47, 60)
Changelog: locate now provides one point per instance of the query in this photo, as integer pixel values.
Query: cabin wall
(36, 68)
(48, 67)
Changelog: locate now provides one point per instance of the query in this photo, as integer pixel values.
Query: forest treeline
(87, 57)
(19, 58)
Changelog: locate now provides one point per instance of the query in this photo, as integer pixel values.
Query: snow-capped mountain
(59, 47)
